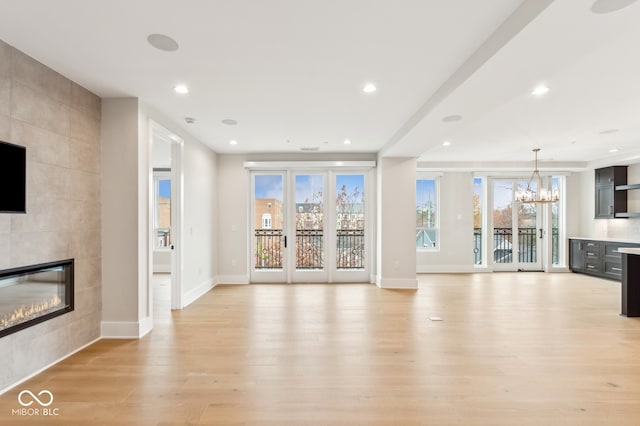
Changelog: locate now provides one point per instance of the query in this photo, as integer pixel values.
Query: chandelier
(535, 192)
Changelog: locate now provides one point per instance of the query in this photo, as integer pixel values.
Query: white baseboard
(449, 269)
(195, 293)
(400, 283)
(8, 388)
(146, 325)
(232, 279)
(125, 329)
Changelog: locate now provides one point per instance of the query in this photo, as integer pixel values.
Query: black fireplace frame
(68, 264)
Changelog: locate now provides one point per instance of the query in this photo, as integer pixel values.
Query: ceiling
(291, 73)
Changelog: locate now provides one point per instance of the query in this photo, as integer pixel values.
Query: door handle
(285, 241)
(540, 233)
(172, 247)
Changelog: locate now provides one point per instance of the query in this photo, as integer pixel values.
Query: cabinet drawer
(613, 269)
(592, 254)
(590, 266)
(611, 250)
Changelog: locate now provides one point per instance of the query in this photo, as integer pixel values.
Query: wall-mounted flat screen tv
(13, 178)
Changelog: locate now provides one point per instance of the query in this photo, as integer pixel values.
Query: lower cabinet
(598, 258)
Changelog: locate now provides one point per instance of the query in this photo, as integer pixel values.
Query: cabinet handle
(590, 267)
(616, 269)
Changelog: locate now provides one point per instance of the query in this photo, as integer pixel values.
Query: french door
(517, 229)
(308, 227)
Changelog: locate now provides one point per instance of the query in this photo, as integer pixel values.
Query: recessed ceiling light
(609, 6)
(369, 88)
(446, 143)
(233, 142)
(614, 150)
(229, 122)
(182, 89)
(347, 142)
(609, 131)
(452, 118)
(162, 42)
(540, 90)
(190, 120)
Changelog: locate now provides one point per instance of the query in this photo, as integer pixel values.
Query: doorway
(166, 213)
(517, 229)
(309, 226)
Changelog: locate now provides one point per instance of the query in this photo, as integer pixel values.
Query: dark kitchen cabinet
(598, 258)
(608, 201)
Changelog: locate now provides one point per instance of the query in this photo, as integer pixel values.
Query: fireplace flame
(25, 312)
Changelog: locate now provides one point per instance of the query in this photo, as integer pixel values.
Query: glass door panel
(527, 230)
(502, 222)
(350, 254)
(268, 225)
(516, 229)
(309, 227)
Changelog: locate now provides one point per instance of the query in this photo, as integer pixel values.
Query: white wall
(199, 239)
(396, 252)
(455, 251)
(233, 219)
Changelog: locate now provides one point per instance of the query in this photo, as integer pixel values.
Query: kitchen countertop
(614, 240)
(629, 250)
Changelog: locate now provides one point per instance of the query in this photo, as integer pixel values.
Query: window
(266, 219)
(427, 213)
(162, 207)
(477, 220)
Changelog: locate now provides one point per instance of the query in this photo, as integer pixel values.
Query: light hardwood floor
(511, 349)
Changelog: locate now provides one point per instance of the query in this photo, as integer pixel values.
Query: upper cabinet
(611, 203)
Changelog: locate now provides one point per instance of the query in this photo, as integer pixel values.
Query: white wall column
(396, 226)
(121, 227)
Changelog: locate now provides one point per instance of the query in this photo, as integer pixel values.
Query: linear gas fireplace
(32, 294)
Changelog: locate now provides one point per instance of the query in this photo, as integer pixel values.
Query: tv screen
(13, 178)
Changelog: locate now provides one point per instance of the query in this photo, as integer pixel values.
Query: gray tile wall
(59, 123)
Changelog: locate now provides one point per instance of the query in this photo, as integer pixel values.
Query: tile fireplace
(32, 294)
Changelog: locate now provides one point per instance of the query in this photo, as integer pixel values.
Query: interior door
(517, 230)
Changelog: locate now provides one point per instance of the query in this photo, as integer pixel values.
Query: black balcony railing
(309, 249)
(268, 247)
(503, 249)
(350, 249)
